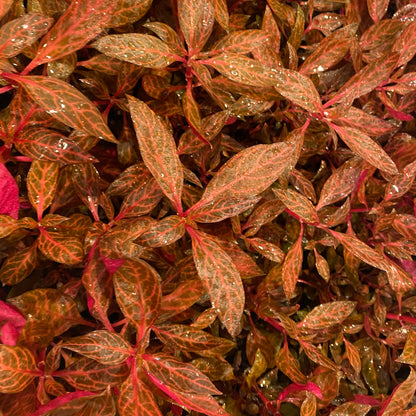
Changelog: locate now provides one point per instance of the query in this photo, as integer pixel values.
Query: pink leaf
(9, 193)
(11, 323)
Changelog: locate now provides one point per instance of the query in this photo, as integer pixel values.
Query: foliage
(207, 207)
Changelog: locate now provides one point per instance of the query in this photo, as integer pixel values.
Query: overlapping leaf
(18, 265)
(138, 293)
(402, 395)
(292, 266)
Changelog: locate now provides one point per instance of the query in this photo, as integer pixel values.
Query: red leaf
(159, 154)
(17, 367)
(65, 103)
(42, 181)
(11, 323)
(367, 148)
(9, 194)
(19, 33)
(327, 314)
(292, 266)
(220, 278)
(196, 19)
(138, 293)
(138, 49)
(81, 22)
(104, 347)
(182, 378)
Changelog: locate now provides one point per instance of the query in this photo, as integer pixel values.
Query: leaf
(90, 375)
(65, 103)
(81, 22)
(138, 293)
(308, 407)
(240, 41)
(353, 356)
(9, 198)
(42, 181)
(267, 249)
(221, 13)
(220, 278)
(405, 44)
(17, 368)
(192, 113)
(196, 19)
(402, 395)
(163, 233)
(136, 399)
(341, 183)
(128, 11)
(48, 145)
(351, 409)
(105, 347)
(377, 8)
(327, 314)
(60, 248)
(18, 265)
(19, 33)
(298, 204)
(182, 378)
(292, 266)
(408, 355)
(4, 7)
(138, 49)
(186, 338)
(317, 356)
(367, 148)
(288, 365)
(159, 154)
(330, 51)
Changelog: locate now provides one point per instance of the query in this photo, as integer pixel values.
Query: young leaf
(367, 148)
(17, 368)
(105, 347)
(60, 248)
(9, 199)
(18, 265)
(138, 49)
(220, 278)
(196, 19)
(65, 103)
(292, 266)
(42, 180)
(159, 154)
(402, 395)
(180, 377)
(81, 22)
(138, 293)
(19, 33)
(327, 314)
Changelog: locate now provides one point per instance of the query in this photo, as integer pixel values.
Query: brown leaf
(351, 409)
(159, 154)
(4, 7)
(220, 278)
(221, 13)
(138, 293)
(402, 395)
(196, 19)
(353, 356)
(19, 33)
(18, 265)
(65, 103)
(42, 181)
(288, 365)
(327, 314)
(240, 41)
(308, 407)
(377, 8)
(18, 368)
(128, 11)
(138, 49)
(267, 249)
(405, 44)
(292, 266)
(367, 148)
(408, 355)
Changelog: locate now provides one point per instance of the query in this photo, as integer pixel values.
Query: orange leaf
(18, 266)
(351, 409)
(402, 395)
(292, 266)
(353, 356)
(128, 11)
